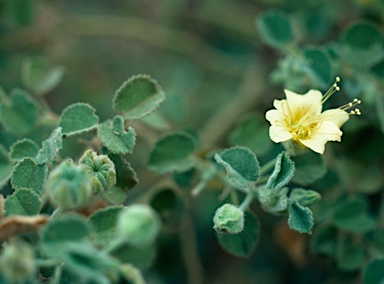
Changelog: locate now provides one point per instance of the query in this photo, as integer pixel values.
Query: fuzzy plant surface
(255, 156)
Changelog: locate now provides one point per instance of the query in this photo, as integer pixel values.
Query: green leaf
(51, 148)
(126, 177)
(273, 201)
(68, 228)
(304, 196)
(23, 201)
(324, 240)
(362, 44)
(351, 215)
(319, 65)
(243, 243)
(23, 148)
(40, 76)
(103, 223)
(253, 134)
(350, 253)
(78, 118)
(172, 153)
(300, 218)
(275, 28)
(137, 97)
(115, 138)
(21, 115)
(6, 166)
(141, 257)
(309, 168)
(241, 164)
(27, 174)
(282, 173)
(374, 272)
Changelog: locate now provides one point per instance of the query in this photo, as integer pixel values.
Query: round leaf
(115, 138)
(21, 115)
(243, 243)
(23, 202)
(172, 152)
(23, 148)
(319, 65)
(78, 118)
(241, 164)
(27, 174)
(275, 28)
(137, 97)
(374, 272)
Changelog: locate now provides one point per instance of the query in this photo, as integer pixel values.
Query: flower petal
(337, 116)
(310, 102)
(274, 116)
(279, 134)
(278, 104)
(328, 131)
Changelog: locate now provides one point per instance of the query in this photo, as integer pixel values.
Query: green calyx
(68, 186)
(101, 170)
(228, 219)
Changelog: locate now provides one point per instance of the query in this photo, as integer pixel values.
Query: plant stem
(57, 274)
(189, 245)
(247, 201)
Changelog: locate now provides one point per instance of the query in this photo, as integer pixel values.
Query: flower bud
(68, 186)
(17, 262)
(228, 219)
(138, 225)
(100, 169)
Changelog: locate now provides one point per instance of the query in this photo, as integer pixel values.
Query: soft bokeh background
(215, 70)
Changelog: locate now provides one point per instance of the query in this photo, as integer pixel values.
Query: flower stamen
(333, 89)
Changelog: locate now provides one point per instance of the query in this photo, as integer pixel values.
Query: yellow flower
(300, 118)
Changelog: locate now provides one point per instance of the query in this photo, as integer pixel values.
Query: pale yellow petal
(274, 116)
(279, 134)
(278, 104)
(307, 103)
(327, 131)
(337, 116)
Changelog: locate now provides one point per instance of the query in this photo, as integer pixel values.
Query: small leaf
(21, 115)
(172, 153)
(51, 148)
(23, 148)
(39, 76)
(304, 197)
(282, 173)
(241, 164)
(350, 253)
(103, 223)
(115, 138)
(362, 44)
(78, 118)
(300, 218)
(351, 215)
(115, 195)
(374, 272)
(243, 243)
(324, 240)
(273, 201)
(275, 28)
(27, 174)
(23, 202)
(320, 67)
(137, 97)
(253, 134)
(6, 166)
(126, 177)
(69, 228)
(141, 257)
(309, 168)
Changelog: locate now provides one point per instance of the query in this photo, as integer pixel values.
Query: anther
(337, 79)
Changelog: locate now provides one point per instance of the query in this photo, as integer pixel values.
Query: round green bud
(68, 186)
(17, 262)
(228, 219)
(138, 225)
(100, 169)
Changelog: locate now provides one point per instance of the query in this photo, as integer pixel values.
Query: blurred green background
(216, 69)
